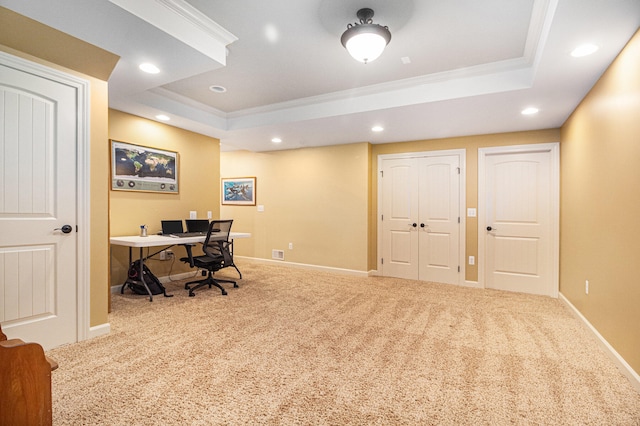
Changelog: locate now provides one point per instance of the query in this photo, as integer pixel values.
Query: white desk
(163, 241)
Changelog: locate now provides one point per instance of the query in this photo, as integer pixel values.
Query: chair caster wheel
(224, 293)
(192, 295)
(235, 286)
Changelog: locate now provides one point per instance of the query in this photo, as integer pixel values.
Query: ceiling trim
(184, 22)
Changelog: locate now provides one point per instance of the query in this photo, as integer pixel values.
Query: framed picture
(140, 168)
(239, 191)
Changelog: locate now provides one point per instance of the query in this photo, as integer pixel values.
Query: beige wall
(315, 198)
(99, 248)
(470, 144)
(600, 205)
(199, 187)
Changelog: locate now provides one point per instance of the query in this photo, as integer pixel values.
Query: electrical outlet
(169, 253)
(290, 246)
(586, 286)
(163, 255)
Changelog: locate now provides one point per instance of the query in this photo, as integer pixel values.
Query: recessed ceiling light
(149, 68)
(276, 140)
(217, 89)
(163, 117)
(377, 128)
(584, 50)
(529, 111)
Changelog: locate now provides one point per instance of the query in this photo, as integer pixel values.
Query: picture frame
(142, 168)
(240, 191)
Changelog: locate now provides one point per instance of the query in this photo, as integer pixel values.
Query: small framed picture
(140, 168)
(239, 191)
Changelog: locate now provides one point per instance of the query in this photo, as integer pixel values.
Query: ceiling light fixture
(149, 68)
(529, 111)
(377, 128)
(217, 89)
(163, 117)
(584, 50)
(365, 41)
(276, 140)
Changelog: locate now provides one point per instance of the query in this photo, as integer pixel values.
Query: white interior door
(439, 226)
(519, 218)
(38, 149)
(419, 232)
(399, 218)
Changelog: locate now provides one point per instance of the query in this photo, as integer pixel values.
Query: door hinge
(382, 261)
(458, 219)
(458, 170)
(458, 268)
(381, 173)
(381, 217)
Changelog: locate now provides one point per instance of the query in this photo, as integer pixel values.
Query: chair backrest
(217, 242)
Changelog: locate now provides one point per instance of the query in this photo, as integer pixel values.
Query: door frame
(554, 205)
(83, 163)
(462, 154)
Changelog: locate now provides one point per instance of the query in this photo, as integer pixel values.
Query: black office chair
(218, 254)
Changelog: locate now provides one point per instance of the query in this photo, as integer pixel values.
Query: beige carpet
(294, 347)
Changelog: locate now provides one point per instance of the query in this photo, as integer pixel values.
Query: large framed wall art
(141, 168)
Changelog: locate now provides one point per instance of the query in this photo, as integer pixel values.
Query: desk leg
(127, 280)
(142, 275)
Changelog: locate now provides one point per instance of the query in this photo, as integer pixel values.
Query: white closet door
(439, 226)
(399, 214)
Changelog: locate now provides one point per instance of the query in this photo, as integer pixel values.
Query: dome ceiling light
(365, 41)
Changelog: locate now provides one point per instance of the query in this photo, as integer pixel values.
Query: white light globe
(366, 47)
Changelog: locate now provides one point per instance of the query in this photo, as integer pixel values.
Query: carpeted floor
(297, 347)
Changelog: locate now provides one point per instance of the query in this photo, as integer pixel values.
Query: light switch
(471, 212)
(209, 214)
(260, 208)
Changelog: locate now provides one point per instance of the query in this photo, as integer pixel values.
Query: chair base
(209, 281)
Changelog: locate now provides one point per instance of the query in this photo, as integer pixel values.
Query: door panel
(38, 180)
(518, 212)
(399, 212)
(420, 209)
(439, 212)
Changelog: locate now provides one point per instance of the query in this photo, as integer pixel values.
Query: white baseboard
(622, 365)
(306, 266)
(472, 284)
(99, 330)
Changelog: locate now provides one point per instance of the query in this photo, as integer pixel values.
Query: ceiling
(473, 66)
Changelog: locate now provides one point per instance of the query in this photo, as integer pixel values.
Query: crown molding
(185, 23)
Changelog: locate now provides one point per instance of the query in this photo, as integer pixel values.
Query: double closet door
(420, 220)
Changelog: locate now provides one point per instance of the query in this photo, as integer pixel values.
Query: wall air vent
(277, 254)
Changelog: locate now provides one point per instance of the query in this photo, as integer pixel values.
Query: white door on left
(38, 144)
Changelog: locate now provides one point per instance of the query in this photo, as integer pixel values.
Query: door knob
(422, 225)
(413, 224)
(65, 229)
(489, 228)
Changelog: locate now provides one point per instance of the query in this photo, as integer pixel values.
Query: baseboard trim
(99, 330)
(343, 271)
(622, 365)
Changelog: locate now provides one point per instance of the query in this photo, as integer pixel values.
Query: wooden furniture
(25, 383)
